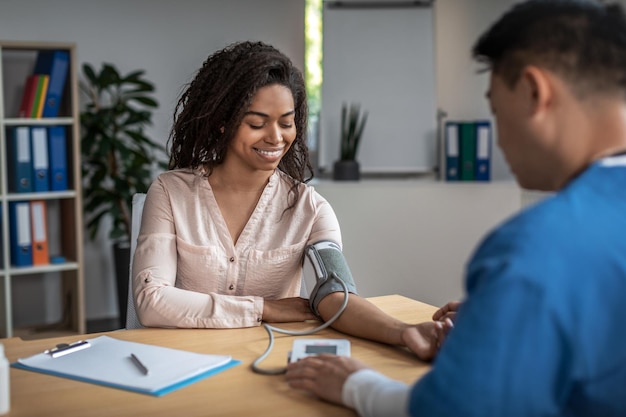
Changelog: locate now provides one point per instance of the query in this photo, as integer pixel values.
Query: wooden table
(235, 392)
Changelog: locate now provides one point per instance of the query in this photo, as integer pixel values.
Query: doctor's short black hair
(583, 41)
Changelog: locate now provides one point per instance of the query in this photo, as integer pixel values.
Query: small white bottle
(5, 392)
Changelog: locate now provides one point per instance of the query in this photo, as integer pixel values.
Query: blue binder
(57, 154)
(41, 171)
(54, 63)
(21, 239)
(19, 162)
(483, 150)
(452, 150)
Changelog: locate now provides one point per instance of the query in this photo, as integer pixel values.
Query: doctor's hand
(323, 375)
(287, 309)
(425, 339)
(447, 311)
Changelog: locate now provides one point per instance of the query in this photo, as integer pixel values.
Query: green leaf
(146, 100)
(89, 73)
(352, 125)
(133, 76)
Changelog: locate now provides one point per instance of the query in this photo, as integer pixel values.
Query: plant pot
(347, 171)
(121, 258)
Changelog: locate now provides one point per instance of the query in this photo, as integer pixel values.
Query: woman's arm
(363, 319)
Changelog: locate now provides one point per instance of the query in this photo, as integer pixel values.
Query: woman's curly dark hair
(213, 105)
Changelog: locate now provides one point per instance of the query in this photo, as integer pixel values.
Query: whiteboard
(383, 58)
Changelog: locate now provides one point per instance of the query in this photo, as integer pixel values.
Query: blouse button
(232, 287)
(232, 259)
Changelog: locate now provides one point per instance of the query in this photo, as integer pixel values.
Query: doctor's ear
(539, 87)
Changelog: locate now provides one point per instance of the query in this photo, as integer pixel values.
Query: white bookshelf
(51, 296)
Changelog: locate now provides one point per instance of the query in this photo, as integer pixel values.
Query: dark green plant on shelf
(118, 158)
(352, 125)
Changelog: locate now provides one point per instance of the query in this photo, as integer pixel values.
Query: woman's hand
(287, 309)
(425, 339)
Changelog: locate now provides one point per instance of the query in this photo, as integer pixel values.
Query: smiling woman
(236, 188)
(268, 129)
(223, 233)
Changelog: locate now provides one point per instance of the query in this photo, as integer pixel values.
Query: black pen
(139, 364)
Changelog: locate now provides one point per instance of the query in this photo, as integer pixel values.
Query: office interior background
(401, 236)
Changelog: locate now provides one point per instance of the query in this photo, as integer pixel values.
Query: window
(313, 72)
(313, 53)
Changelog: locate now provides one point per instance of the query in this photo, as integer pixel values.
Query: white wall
(414, 237)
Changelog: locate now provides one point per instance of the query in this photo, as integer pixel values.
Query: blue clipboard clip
(63, 349)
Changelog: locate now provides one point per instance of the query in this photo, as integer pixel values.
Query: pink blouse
(188, 273)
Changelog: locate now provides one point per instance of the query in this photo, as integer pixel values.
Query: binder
(483, 150)
(55, 64)
(19, 163)
(41, 175)
(21, 243)
(109, 362)
(42, 86)
(452, 150)
(467, 154)
(57, 156)
(28, 96)
(39, 228)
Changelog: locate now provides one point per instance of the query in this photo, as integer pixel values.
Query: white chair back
(132, 322)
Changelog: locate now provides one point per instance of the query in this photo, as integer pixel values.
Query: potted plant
(118, 159)
(352, 124)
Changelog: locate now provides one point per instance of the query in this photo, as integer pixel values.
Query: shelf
(47, 292)
(53, 195)
(49, 121)
(66, 266)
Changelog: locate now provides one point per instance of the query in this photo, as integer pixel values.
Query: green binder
(467, 148)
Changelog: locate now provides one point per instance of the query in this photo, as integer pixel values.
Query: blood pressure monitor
(311, 347)
(328, 270)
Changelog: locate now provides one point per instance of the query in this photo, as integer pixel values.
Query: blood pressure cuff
(328, 264)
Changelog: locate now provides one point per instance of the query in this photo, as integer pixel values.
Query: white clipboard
(107, 361)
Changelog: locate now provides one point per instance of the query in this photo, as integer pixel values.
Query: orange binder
(40, 232)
